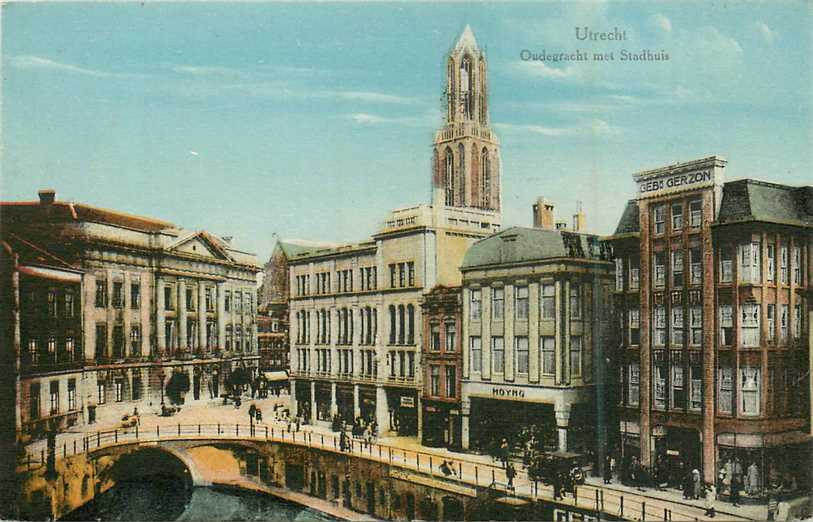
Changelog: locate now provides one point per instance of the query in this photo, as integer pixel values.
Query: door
(370, 498)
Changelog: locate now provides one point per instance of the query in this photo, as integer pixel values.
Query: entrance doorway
(370, 498)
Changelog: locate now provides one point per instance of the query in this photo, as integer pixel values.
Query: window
(191, 333)
(783, 322)
(135, 340)
(51, 344)
(726, 266)
(136, 387)
(575, 302)
(101, 340)
(401, 275)
(34, 401)
(797, 321)
(169, 335)
(71, 394)
(659, 219)
(783, 264)
(797, 265)
(696, 324)
(749, 324)
(451, 384)
(659, 261)
(660, 326)
(101, 293)
(451, 331)
(696, 387)
(118, 294)
(70, 348)
(434, 380)
(726, 325)
(497, 304)
(401, 325)
(238, 301)
(725, 394)
(678, 398)
(749, 387)
(169, 303)
(54, 397)
(660, 385)
(476, 349)
(52, 304)
(411, 326)
(770, 275)
(135, 295)
(575, 355)
(238, 338)
(69, 304)
(677, 268)
(227, 301)
(118, 341)
(771, 312)
(521, 344)
(393, 269)
(695, 213)
(634, 326)
(548, 302)
(190, 299)
(633, 384)
(521, 302)
(696, 260)
(619, 274)
(750, 262)
(411, 270)
(497, 355)
(475, 305)
(677, 217)
(393, 328)
(677, 326)
(101, 390)
(547, 346)
(33, 351)
(635, 274)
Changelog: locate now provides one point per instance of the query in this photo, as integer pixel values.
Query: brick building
(710, 280)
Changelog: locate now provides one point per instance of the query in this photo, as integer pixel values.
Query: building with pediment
(164, 314)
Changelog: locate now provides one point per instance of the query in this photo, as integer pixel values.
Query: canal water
(163, 497)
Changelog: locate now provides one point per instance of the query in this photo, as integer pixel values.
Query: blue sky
(313, 120)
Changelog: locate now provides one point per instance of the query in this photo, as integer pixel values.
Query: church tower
(466, 152)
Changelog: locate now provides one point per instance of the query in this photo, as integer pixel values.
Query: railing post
(643, 511)
(430, 465)
(389, 450)
(157, 431)
(42, 456)
(476, 475)
(575, 495)
(664, 514)
(460, 470)
(379, 451)
(198, 428)
(136, 431)
(29, 462)
(116, 436)
(237, 429)
(493, 476)
(74, 446)
(622, 506)
(602, 500)
(266, 432)
(597, 500)
(179, 429)
(418, 460)
(98, 439)
(64, 449)
(218, 428)
(323, 440)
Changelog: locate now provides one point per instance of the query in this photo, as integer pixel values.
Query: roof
(296, 247)
(629, 222)
(467, 40)
(33, 254)
(521, 244)
(753, 200)
(29, 212)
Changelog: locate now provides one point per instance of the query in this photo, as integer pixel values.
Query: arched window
(449, 177)
(485, 179)
(392, 324)
(466, 96)
(461, 174)
(450, 91)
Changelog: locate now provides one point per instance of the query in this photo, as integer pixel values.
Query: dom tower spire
(466, 161)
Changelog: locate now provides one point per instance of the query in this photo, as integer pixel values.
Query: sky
(312, 121)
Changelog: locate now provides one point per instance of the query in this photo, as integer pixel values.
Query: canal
(166, 497)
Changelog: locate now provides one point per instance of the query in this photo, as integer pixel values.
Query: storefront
(302, 392)
(441, 424)
(367, 402)
(678, 451)
(323, 401)
(344, 402)
(765, 463)
(489, 424)
(403, 411)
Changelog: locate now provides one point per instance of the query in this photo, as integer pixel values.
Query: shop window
(726, 325)
(634, 326)
(575, 355)
(476, 353)
(749, 324)
(750, 391)
(497, 354)
(548, 307)
(548, 348)
(725, 392)
(497, 304)
(475, 305)
(695, 213)
(521, 302)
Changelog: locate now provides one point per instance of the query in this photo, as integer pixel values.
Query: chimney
(579, 219)
(561, 225)
(543, 214)
(47, 196)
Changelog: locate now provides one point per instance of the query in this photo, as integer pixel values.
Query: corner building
(355, 310)
(709, 297)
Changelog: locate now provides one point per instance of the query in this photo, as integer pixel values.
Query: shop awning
(276, 376)
(762, 440)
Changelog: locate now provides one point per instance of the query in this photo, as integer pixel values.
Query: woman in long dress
(752, 479)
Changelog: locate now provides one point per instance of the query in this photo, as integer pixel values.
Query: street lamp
(162, 389)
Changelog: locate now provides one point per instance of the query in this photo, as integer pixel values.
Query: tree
(177, 386)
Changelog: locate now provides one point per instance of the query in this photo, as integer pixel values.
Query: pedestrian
(687, 485)
(510, 473)
(557, 486)
(752, 479)
(252, 410)
(736, 486)
(504, 452)
(773, 506)
(697, 485)
(711, 496)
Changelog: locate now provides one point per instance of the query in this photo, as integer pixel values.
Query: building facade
(166, 313)
(442, 362)
(533, 331)
(710, 301)
(355, 309)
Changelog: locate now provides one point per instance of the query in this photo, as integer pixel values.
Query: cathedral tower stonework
(466, 152)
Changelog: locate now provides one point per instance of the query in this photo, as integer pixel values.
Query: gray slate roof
(752, 200)
(629, 222)
(521, 244)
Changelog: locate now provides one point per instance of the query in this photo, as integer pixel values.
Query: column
(159, 319)
(221, 316)
(182, 315)
(382, 416)
(646, 319)
(202, 316)
(508, 333)
(126, 315)
(465, 413)
(534, 356)
(557, 336)
(292, 404)
(313, 402)
(562, 412)
(334, 407)
(356, 406)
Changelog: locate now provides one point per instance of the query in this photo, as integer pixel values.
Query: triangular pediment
(200, 244)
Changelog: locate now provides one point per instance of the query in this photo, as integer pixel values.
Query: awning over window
(276, 376)
(50, 273)
(760, 440)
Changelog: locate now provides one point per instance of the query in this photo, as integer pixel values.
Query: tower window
(449, 177)
(485, 179)
(465, 88)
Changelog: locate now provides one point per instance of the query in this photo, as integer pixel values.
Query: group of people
(362, 429)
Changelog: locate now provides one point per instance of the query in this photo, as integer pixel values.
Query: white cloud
(372, 97)
(369, 119)
(711, 40)
(539, 69)
(595, 127)
(767, 33)
(662, 22)
(38, 62)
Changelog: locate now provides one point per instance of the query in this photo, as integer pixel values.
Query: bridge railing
(455, 471)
